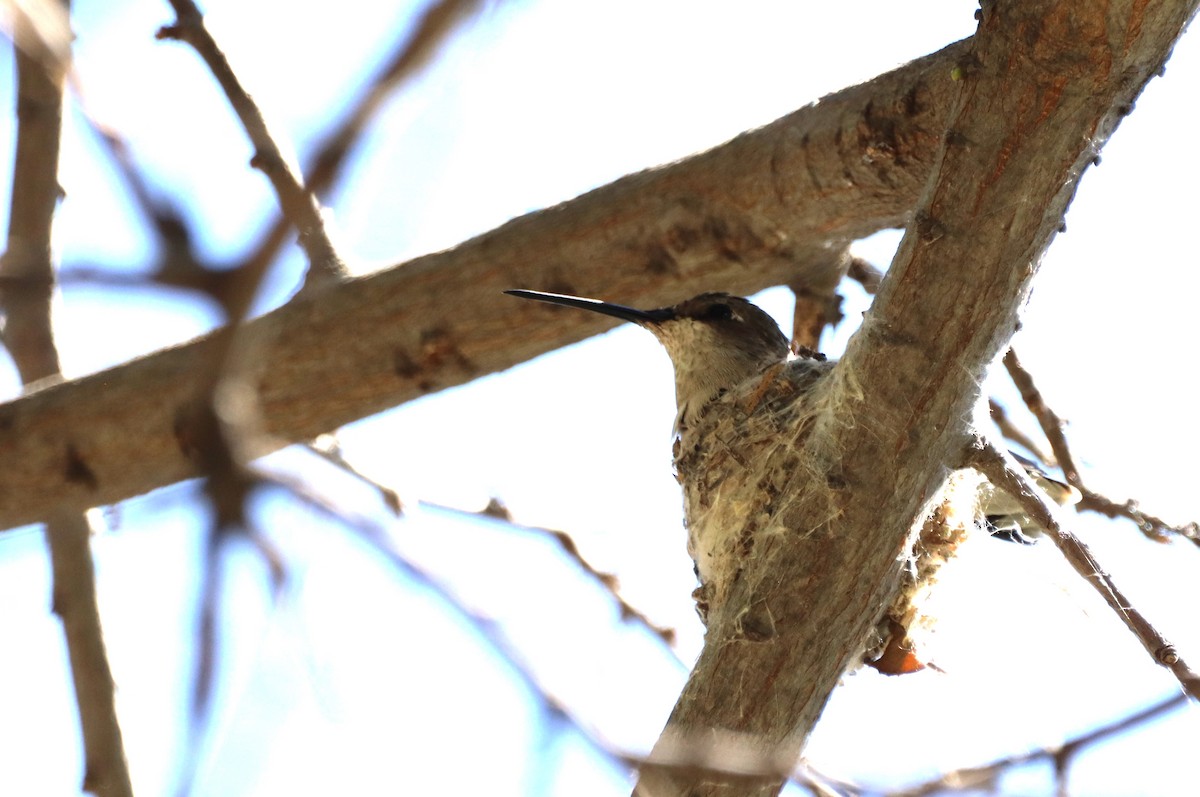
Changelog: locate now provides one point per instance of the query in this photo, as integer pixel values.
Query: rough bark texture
(774, 205)
(1040, 89)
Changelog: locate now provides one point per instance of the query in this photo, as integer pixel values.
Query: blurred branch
(25, 299)
(178, 265)
(296, 201)
(1153, 527)
(725, 757)
(328, 449)
(432, 31)
(106, 772)
(818, 304)
(1005, 474)
(607, 581)
(26, 267)
(41, 30)
(985, 777)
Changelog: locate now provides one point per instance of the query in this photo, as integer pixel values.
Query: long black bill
(596, 306)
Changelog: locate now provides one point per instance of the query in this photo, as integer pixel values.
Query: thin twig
(296, 202)
(179, 265)
(496, 511)
(721, 761)
(1051, 424)
(1007, 475)
(983, 776)
(434, 27)
(731, 760)
(1152, 526)
(1012, 432)
(223, 420)
(327, 448)
(25, 297)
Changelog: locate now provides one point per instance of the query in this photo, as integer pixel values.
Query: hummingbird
(714, 340)
(743, 395)
(737, 378)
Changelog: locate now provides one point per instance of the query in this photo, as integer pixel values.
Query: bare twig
(985, 776)
(496, 511)
(1152, 526)
(221, 422)
(1051, 424)
(328, 448)
(25, 297)
(728, 760)
(432, 30)
(179, 265)
(106, 773)
(296, 202)
(1007, 475)
(1012, 432)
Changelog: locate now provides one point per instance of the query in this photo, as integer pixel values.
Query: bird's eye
(718, 311)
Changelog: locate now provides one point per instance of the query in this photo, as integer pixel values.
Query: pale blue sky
(357, 681)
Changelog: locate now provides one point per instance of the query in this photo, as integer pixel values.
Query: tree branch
(993, 463)
(1042, 86)
(296, 201)
(1150, 525)
(985, 776)
(25, 300)
(430, 32)
(752, 213)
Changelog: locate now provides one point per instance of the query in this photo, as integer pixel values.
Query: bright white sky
(356, 681)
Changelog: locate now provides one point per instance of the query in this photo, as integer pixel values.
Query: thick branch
(1043, 85)
(752, 213)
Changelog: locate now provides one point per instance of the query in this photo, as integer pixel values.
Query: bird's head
(715, 340)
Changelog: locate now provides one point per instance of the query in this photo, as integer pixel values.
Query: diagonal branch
(985, 776)
(1051, 424)
(1043, 85)
(752, 213)
(296, 202)
(1152, 526)
(1010, 477)
(431, 31)
(1014, 433)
